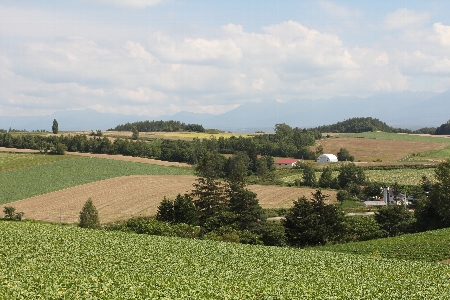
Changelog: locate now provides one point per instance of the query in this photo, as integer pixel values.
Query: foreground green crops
(427, 246)
(50, 262)
(50, 177)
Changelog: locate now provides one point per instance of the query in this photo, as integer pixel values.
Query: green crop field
(427, 246)
(426, 156)
(42, 261)
(401, 176)
(396, 137)
(13, 161)
(45, 178)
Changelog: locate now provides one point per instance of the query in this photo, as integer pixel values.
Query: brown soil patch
(123, 197)
(369, 150)
(270, 196)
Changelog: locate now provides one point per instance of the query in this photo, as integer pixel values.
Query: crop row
(41, 179)
(426, 246)
(42, 261)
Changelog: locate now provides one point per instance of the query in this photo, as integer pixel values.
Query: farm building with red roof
(286, 162)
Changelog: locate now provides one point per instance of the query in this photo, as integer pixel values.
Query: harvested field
(132, 159)
(123, 197)
(368, 150)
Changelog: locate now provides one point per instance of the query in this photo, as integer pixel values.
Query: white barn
(327, 158)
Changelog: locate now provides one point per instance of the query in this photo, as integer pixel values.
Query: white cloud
(404, 18)
(142, 95)
(164, 73)
(196, 50)
(136, 50)
(135, 4)
(443, 33)
(339, 11)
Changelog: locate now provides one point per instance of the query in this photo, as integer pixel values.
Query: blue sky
(153, 57)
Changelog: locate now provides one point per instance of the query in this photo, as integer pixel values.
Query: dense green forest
(443, 129)
(159, 126)
(356, 125)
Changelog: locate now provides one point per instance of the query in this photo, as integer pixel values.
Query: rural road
(369, 213)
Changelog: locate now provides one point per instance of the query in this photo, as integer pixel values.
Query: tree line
(286, 142)
(159, 126)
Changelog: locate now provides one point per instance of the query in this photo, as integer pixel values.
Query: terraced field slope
(42, 261)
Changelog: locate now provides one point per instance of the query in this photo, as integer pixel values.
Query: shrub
(10, 214)
(362, 229)
(273, 234)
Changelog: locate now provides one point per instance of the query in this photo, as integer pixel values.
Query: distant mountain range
(410, 110)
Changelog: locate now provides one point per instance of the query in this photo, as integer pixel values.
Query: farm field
(401, 176)
(427, 246)
(398, 136)
(387, 147)
(132, 159)
(12, 161)
(123, 197)
(48, 261)
(41, 179)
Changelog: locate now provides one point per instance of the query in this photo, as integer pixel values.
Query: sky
(154, 57)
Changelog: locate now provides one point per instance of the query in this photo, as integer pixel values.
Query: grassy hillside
(45, 178)
(426, 246)
(48, 261)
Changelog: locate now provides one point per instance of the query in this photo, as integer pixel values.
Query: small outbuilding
(286, 162)
(325, 158)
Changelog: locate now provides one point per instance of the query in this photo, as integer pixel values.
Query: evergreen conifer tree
(89, 216)
(55, 126)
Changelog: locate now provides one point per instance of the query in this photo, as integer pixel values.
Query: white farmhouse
(327, 158)
(391, 197)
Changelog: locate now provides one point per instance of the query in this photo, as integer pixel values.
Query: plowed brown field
(123, 197)
(368, 150)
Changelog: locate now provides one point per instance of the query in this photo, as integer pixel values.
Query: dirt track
(123, 197)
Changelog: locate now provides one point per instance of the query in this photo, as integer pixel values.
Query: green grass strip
(37, 180)
(430, 246)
